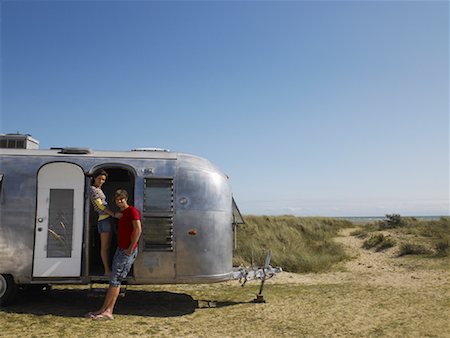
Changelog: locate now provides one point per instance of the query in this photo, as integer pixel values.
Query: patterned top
(98, 200)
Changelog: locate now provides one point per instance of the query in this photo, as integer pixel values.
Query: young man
(128, 233)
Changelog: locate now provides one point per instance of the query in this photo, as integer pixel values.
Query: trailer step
(101, 292)
(99, 279)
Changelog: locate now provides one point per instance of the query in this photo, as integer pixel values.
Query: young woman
(104, 222)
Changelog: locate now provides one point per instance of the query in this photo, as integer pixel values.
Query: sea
(369, 219)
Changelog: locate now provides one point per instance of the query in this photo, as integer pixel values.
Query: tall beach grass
(298, 244)
(305, 244)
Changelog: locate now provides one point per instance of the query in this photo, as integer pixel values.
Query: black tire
(8, 290)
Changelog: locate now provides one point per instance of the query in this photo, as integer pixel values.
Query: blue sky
(328, 108)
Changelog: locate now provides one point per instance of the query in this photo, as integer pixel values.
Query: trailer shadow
(76, 303)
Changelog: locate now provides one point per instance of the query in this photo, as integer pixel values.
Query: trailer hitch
(257, 273)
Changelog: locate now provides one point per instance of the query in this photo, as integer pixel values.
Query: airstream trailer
(47, 232)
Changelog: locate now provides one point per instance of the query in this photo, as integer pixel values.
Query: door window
(60, 226)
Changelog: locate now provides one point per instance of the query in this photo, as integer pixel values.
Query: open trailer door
(59, 221)
(237, 219)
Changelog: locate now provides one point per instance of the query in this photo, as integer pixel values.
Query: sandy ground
(370, 267)
(375, 294)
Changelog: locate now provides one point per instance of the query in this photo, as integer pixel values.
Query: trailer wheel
(8, 289)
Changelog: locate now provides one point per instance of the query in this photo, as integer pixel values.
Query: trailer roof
(154, 153)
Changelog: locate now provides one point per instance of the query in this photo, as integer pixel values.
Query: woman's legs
(105, 244)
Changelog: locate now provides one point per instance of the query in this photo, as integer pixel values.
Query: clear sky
(328, 108)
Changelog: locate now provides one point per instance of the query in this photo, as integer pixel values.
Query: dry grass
(321, 310)
(376, 294)
(298, 244)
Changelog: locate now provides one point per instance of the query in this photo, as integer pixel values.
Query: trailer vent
(157, 233)
(157, 227)
(150, 149)
(76, 151)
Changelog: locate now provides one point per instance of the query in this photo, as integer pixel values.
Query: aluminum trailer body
(48, 227)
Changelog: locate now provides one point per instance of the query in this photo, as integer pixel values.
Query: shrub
(373, 241)
(442, 249)
(360, 233)
(413, 249)
(379, 242)
(392, 221)
(387, 242)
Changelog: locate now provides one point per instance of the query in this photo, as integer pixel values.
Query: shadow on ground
(76, 303)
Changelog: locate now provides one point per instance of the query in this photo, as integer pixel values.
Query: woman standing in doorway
(104, 222)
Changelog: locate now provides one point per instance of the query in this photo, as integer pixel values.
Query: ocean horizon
(368, 219)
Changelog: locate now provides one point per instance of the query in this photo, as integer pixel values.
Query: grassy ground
(373, 294)
(322, 310)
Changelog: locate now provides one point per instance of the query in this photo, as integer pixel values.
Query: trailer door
(59, 221)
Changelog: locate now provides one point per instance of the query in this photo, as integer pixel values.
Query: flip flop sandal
(102, 317)
(90, 315)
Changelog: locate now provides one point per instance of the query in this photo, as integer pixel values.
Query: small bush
(413, 249)
(442, 249)
(386, 244)
(379, 242)
(392, 221)
(360, 233)
(373, 241)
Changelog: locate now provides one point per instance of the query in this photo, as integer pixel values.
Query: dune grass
(298, 244)
(430, 238)
(379, 242)
(305, 244)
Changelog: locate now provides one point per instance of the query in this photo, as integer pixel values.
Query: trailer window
(158, 196)
(60, 223)
(157, 225)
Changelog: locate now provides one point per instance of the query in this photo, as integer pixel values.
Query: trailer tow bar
(262, 273)
(259, 297)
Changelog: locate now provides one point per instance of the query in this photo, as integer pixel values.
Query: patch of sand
(369, 267)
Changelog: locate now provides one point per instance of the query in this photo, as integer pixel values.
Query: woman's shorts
(121, 265)
(105, 225)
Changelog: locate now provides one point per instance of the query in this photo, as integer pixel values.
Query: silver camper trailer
(47, 224)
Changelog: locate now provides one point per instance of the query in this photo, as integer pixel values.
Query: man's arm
(137, 230)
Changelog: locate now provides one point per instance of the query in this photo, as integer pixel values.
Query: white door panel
(59, 221)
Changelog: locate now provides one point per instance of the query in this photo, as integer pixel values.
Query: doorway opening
(118, 178)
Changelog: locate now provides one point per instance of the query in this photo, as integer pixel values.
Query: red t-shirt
(125, 228)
